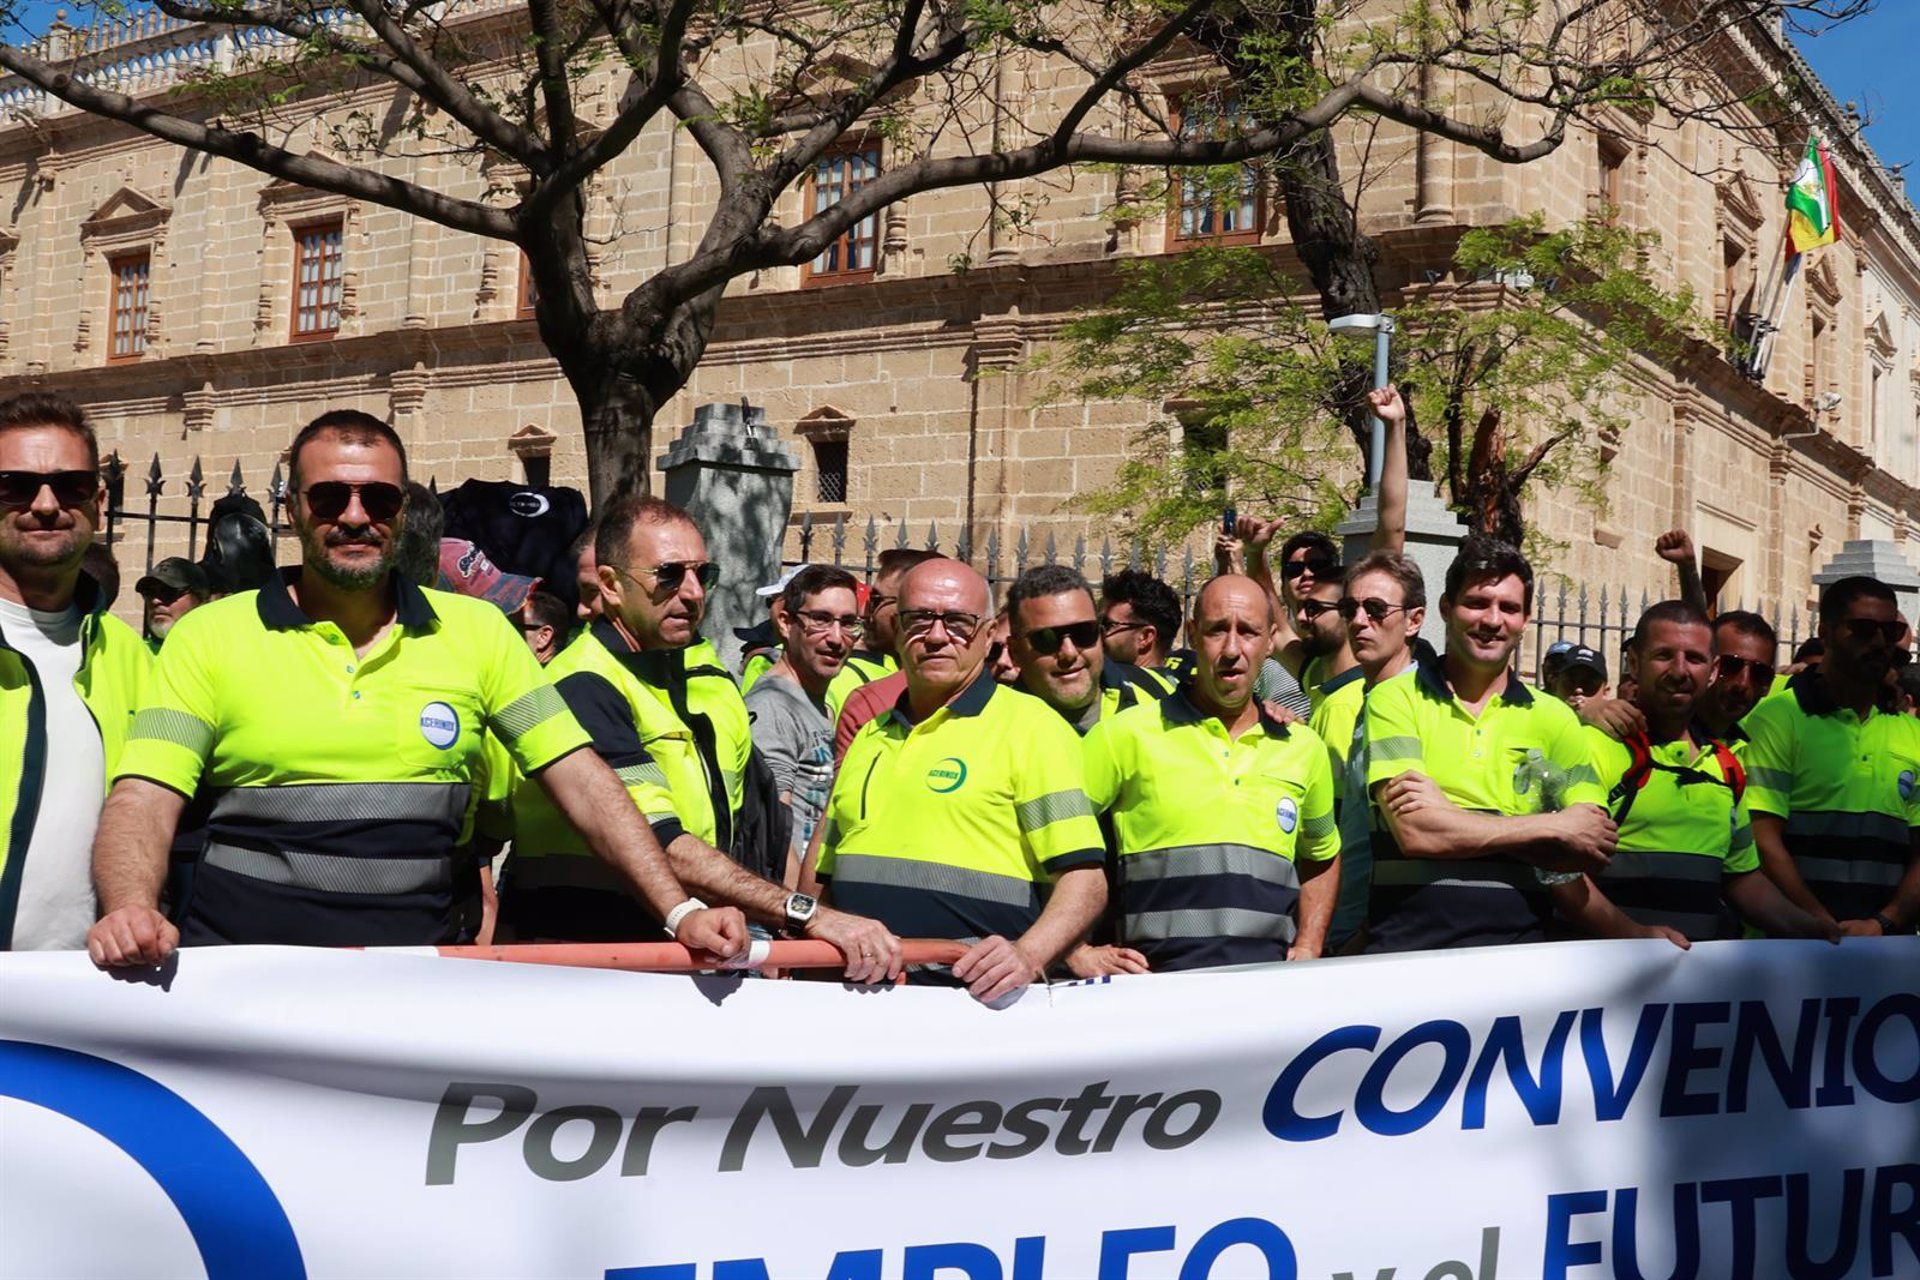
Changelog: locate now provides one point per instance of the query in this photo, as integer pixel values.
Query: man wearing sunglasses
(1744, 646)
(1054, 638)
(71, 675)
(961, 812)
(337, 716)
(169, 591)
(1834, 781)
(1228, 852)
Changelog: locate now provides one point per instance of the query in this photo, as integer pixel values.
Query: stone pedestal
(735, 478)
(1876, 558)
(1434, 534)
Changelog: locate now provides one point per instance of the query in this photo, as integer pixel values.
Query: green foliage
(1515, 364)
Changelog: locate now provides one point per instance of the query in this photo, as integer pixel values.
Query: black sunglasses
(1319, 567)
(1046, 641)
(671, 575)
(329, 499)
(1729, 667)
(18, 489)
(1311, 610)
(1113, 626)
(1864, 629)
(163, 595)
(1376, 610)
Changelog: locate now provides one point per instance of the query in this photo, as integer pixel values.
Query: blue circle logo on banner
(236, 1221)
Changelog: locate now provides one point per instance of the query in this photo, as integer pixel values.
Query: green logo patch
(947, 776)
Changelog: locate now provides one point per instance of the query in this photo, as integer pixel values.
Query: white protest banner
(1577, 1111)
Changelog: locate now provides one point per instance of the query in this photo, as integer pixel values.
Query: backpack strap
(1732, 770)
(1628, 789)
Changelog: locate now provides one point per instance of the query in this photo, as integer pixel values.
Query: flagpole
(1768, 326)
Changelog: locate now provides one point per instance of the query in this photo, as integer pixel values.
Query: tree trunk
(616, 416)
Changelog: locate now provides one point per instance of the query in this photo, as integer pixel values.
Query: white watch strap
(680, 913)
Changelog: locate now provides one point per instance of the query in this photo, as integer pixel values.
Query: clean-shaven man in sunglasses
(336, 716)
(71, 675)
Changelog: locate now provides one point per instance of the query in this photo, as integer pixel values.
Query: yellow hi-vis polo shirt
(863, 666)
(1490, 764)
(695, 687)
(1846, 788)
(556, 888)
(1336, 711)
(1209, 828)
(954, 826)
(340, 782)
(1680, 834)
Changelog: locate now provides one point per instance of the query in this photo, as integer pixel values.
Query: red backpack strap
(1731, 769)
(1639, 769)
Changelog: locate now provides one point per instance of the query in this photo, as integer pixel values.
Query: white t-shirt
(56, 884)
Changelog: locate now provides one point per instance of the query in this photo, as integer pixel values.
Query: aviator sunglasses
(329, 499)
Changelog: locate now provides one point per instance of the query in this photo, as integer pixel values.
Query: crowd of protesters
(397, 742)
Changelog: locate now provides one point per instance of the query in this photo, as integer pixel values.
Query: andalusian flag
(1812, 219)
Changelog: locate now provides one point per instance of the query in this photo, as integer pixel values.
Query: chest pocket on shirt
(436, 729)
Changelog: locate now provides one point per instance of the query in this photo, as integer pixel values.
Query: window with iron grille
(1220, 206)
(830, 465)
(131, 274)
(836, 176)
(317, 274)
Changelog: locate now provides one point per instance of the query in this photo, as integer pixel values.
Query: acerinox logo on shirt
(439, 724)
(947, 776)
(1287, 814)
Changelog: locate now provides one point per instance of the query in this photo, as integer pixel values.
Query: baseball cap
(779, 584)
(1580, 655)
(175, 574)
(465, 568)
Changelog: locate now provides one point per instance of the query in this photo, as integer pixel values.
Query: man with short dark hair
(1462, 759)
(547, 624)
(1139, 621)
(337, 717)
(169, 591)
(962, 811)
(1579, 676)
(1055, 642)
(1228, 851)
(1745, 648)
(1678, 797)
(1834, 781)
(816, 621)
(71, 675)
(586, 578)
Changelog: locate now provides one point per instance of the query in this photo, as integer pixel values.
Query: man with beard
(71, 675)
(1832, 777)
(337, 715)
(1466, 766)
(1744, 645)
(1678, 796)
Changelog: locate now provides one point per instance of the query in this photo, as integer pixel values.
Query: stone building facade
(163, 290)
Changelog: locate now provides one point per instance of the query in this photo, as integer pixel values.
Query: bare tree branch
(252, 150)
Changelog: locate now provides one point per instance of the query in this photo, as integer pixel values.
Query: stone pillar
(1434, 534)
(1876, 558)
(735, 478)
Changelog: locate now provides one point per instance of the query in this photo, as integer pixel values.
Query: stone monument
(1876, 558)
(735, 477)
(1434, 535)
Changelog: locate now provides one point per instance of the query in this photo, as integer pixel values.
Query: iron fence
(191, 523)
(1605, 620)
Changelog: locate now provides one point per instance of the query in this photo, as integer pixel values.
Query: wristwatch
(800, 910)
(1881, 918)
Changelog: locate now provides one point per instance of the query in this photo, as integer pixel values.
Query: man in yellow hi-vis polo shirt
(1833, 781)
(1224, 816)
(1678, 796)
(1458, 757)
(961, 811)
(337, 716)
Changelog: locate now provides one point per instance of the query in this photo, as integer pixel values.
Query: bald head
(945, 586)
(946, 625)
(1232, 634)
(1232, 591)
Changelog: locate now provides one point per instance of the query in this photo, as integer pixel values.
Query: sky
(1869, 61)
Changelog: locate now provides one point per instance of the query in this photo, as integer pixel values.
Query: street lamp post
(1382, 328)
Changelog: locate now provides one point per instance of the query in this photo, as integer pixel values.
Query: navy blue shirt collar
(970, 701)
(1179, 707)
(279, 612)
(1431, 671)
